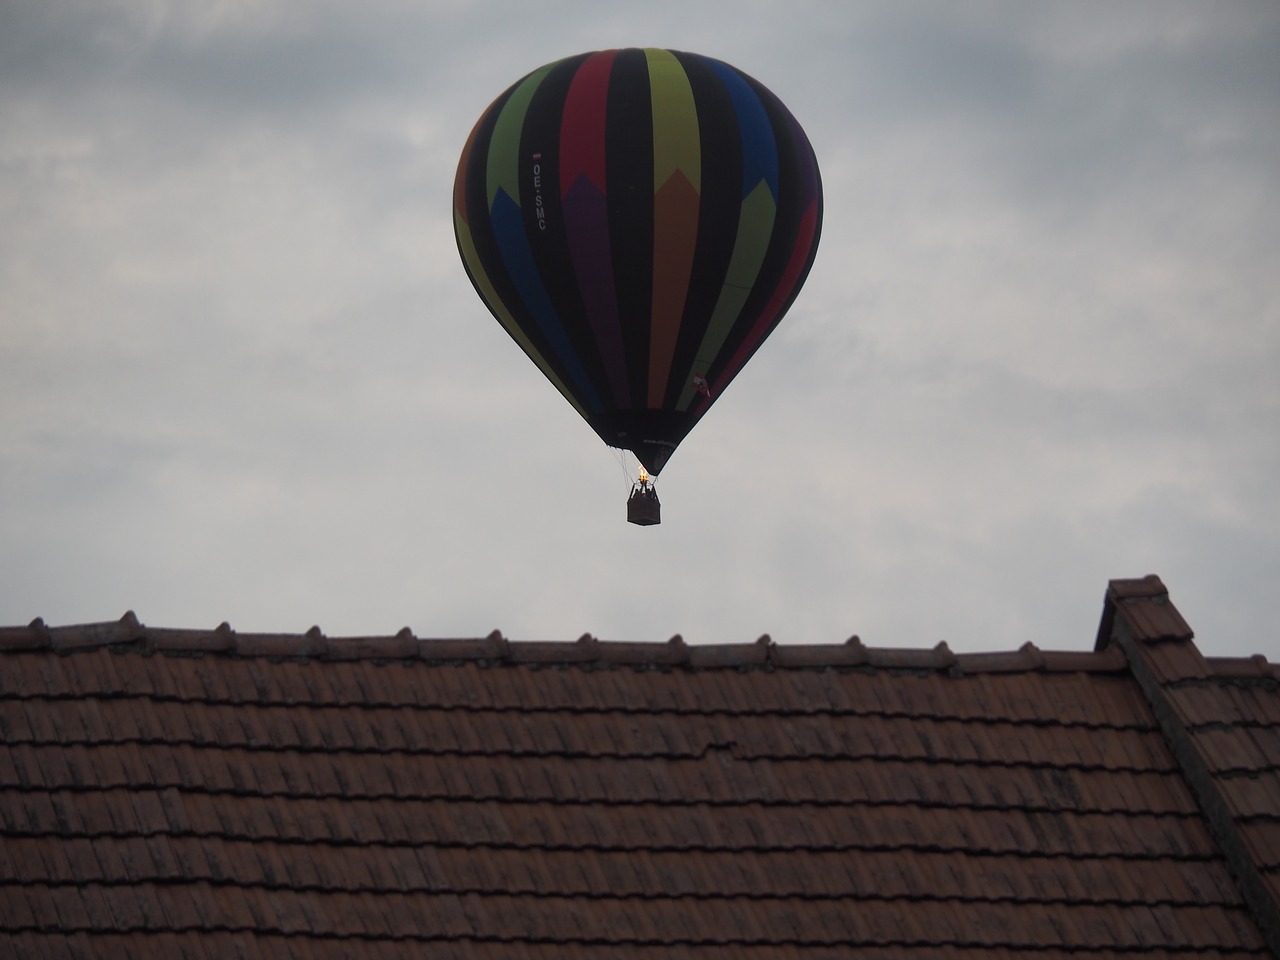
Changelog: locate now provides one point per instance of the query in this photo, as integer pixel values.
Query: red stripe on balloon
(585, 211)
(582, 123)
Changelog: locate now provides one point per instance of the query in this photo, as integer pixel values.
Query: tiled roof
(217, 794)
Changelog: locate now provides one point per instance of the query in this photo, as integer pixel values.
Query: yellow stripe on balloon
(676, 145)
(677, 183)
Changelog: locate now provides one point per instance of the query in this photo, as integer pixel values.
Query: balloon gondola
(643, 506)
(639, 221)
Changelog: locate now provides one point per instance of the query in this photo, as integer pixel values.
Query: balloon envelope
(639, 221)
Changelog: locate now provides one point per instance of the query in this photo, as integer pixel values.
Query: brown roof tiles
(213, 793)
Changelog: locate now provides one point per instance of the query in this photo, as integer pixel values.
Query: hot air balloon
(639, 221)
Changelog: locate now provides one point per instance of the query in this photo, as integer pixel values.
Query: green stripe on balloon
(503, 170)
(755, 230)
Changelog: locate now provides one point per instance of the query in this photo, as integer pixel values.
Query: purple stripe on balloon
(586, 221)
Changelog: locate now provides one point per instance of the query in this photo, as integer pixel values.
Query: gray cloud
(243, 376)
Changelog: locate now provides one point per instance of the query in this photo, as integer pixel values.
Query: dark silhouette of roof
(185, 793)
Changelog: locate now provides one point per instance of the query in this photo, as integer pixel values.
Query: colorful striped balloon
(639, 221)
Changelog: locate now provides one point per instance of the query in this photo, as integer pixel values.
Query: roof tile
(807, 656)
(403, 645)
(94, 635)
(1243, 668)
(220, 640)
(34, 636)
(731, 654)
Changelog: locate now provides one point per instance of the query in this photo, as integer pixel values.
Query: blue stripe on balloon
(508, 230)
(759, 148)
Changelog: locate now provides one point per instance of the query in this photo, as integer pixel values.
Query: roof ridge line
(587, 650)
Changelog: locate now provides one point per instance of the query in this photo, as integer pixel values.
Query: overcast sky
(244, 377)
